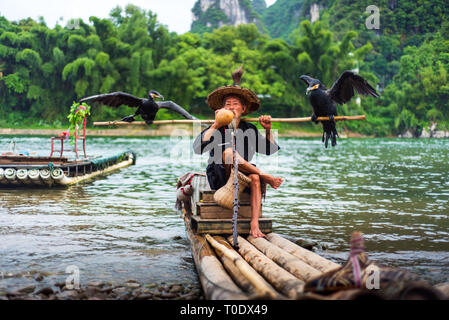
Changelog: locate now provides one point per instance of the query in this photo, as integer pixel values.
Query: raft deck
(271, 268)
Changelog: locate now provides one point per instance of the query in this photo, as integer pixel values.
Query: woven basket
(225, 195)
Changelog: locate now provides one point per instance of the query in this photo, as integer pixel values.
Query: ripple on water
(123, 226)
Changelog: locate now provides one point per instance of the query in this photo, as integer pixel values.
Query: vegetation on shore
(43, 70)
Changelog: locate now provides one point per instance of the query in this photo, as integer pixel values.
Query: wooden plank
(199, 182)
(208, 196)
(216, 283)
(224, 226)
(214, 211)
(32, 159)
(307, 256)
(278, 277)
(289, 262)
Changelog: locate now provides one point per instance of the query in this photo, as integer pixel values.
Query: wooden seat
(211, 210)
(77, 136)
(209, 217)
(224, 226)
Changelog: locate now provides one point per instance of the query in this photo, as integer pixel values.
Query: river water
(123, 226)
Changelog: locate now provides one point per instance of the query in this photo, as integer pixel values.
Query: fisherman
(249, 140)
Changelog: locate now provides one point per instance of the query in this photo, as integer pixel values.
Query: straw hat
(225, 195)
(216, 98)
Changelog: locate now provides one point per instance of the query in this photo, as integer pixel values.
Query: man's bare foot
(255, 231)
(274, 182)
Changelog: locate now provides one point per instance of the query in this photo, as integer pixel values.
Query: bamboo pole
(289, 262)
(216, 283)
(278, 277)
(232, 269)
(161, 122)
(305, 255)
(263, 289)
(67, 181)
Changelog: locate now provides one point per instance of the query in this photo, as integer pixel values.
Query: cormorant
(146, 108)
(323, 100)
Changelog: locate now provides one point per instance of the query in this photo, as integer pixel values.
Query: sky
(175, 14)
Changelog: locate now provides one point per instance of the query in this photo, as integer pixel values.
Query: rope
(357, 272)
(357, 247)
(236, 193)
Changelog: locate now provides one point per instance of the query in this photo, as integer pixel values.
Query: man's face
(235, 105)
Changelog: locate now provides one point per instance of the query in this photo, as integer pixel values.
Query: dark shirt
(249, 141)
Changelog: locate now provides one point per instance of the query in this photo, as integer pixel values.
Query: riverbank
(38, 288)
(158, 131)
(130, 290)
(186, 130)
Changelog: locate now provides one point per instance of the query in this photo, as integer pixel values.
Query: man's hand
(265, 121)
(216, 124)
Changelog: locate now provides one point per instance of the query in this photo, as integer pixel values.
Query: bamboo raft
(24, 171)
(271, 268)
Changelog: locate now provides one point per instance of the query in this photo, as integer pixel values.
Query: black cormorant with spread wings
(323, 101)
(146, 108)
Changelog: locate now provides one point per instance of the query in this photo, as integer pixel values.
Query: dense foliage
(44, 70)
(282, 18)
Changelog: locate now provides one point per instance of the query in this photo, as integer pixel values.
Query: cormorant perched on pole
(323, 100)
(146, 108)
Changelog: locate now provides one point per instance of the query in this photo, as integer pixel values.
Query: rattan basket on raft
(225, 195)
